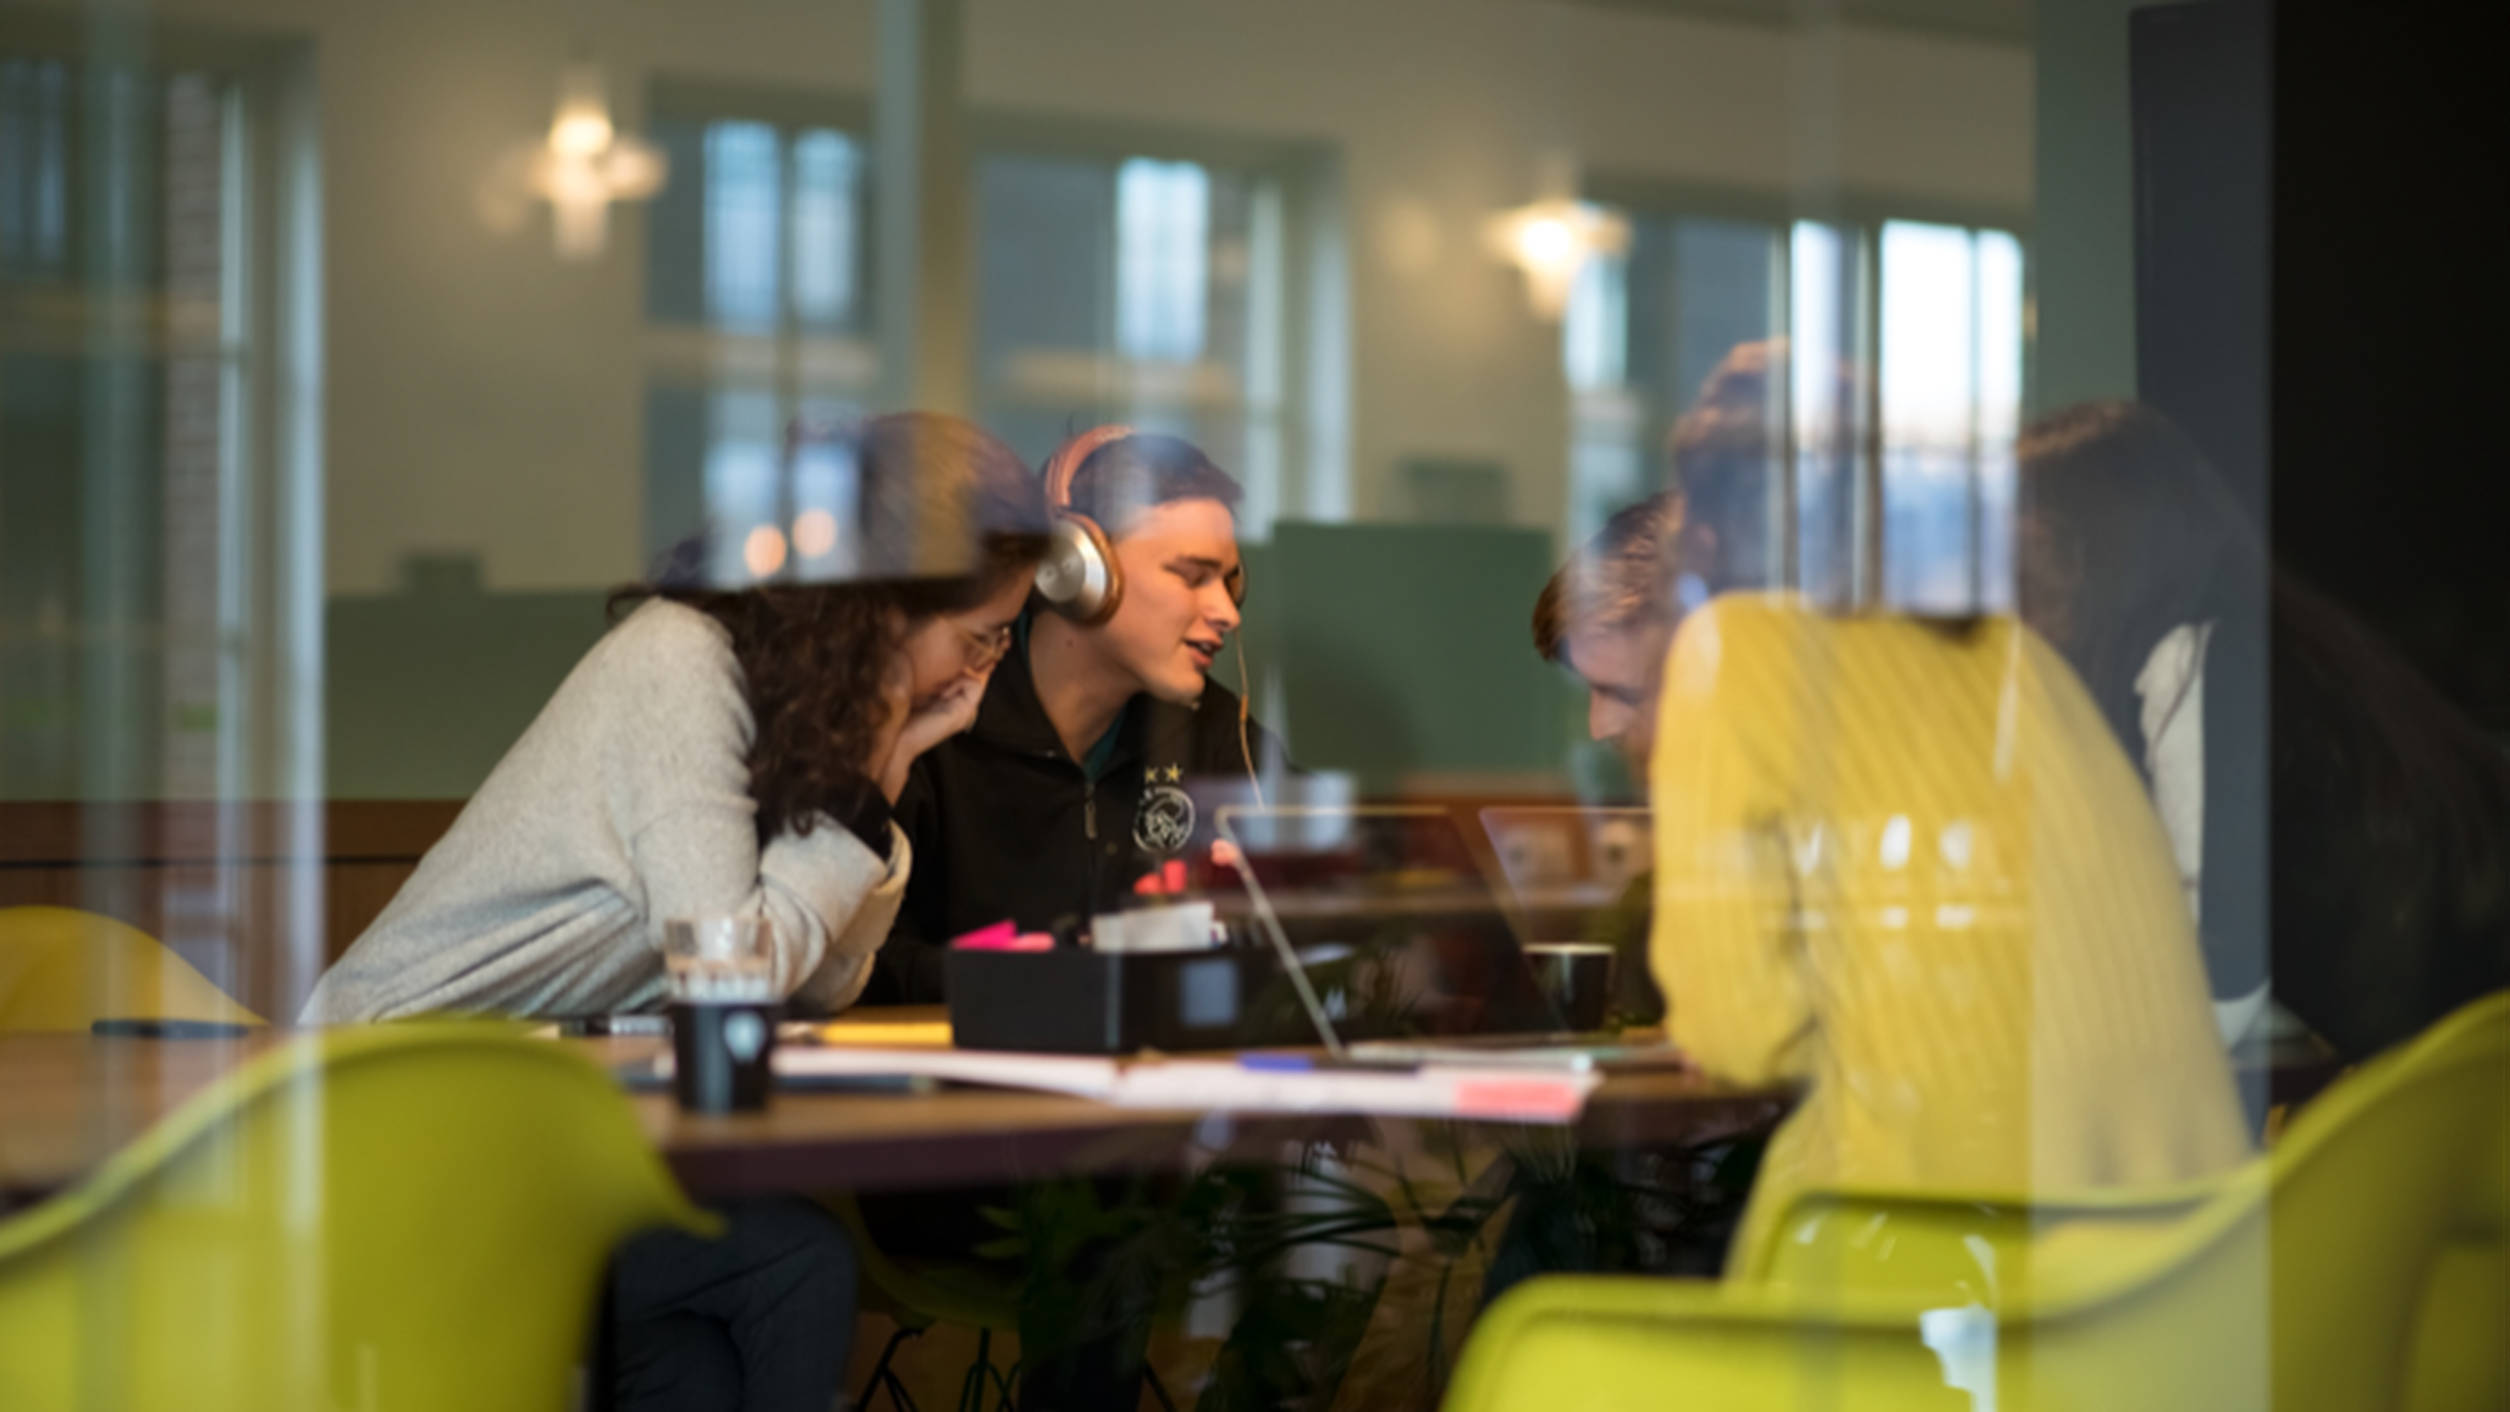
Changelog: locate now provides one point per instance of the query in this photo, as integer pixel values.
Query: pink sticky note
(1001, 936)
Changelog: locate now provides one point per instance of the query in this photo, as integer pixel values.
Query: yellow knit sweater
(1908, 868)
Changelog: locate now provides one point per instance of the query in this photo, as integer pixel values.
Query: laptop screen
(1396, 930)
(1568, 865)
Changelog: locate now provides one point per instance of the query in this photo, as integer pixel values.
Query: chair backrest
(394, 1217)
(63, 969)
(2390, 1216)
(2378, 1224)
(2306, 1282)
(1955, 1247)
(2363, 1264)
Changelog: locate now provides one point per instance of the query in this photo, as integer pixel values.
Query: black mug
(722, 1054)
(1577, 976)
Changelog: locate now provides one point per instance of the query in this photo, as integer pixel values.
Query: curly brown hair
(937, 493)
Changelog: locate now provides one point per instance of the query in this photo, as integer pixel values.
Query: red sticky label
(1515, 1098)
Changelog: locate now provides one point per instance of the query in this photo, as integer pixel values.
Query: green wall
(1401, 649)
(425, 690)
(1405, 649)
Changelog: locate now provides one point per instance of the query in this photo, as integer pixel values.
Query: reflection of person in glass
(1902, 863)
(2386, 871)
(1721, 453)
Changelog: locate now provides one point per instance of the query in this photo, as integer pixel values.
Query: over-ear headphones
(1079, 577)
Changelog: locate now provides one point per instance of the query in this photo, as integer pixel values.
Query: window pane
(34, 167)
(1596, 328)
(827, 217)
(2000, 341)
(1822, 305)
(1929, 413)
(826, 517)
(1045, 240)
(1162, 230)
(123, 581)
(1951, 375)
(1151, 292)
(1726, 295)
(1643, 335)
(742, 491)
(1607, 463)
(744, 202)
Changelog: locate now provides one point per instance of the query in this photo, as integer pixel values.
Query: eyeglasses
(984, 649)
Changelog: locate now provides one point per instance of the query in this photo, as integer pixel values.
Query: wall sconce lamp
(580, 168)
(587, 163)
(1551, 241)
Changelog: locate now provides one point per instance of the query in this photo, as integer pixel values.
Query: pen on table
(595, 1026)
(1275, 1062)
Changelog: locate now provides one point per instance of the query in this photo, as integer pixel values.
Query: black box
(1073, 1000)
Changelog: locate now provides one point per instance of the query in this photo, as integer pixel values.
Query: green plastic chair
(2363, 1264)
(918, 1294)
(398, 1217)
(63, 969)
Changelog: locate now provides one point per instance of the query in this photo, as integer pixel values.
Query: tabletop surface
(68, 1100)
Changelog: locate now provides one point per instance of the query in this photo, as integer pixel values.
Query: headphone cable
(1246, 693)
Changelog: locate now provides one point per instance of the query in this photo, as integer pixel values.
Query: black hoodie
(1006, 825)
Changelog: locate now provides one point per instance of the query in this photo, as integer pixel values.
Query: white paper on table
(1089, 1076)
(1511, 1095)
(1206, 1085)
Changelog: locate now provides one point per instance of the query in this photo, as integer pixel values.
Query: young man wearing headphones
(1071, 786)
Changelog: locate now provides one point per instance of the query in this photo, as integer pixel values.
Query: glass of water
(719, 960)
(723, 1012)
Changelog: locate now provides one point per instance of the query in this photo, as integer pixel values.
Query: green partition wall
(1404, 650)
(1400, 650)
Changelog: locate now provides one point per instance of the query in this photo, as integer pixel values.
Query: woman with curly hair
(722, 752)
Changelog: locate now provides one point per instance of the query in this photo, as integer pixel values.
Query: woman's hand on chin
(950, 711)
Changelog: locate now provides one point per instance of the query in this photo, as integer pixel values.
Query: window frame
(1859, 216)
(1281, 391)
(267, 631)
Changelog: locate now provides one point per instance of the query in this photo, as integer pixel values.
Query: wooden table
(68, 1101)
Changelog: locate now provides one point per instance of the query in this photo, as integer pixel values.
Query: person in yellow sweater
(1902, 863)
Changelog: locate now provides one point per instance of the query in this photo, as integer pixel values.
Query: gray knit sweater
(624, 805)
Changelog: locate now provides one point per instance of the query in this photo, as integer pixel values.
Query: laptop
(1398, 947)
(1567, 866)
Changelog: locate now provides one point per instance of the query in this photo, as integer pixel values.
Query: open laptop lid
(1384, 923)
(1567, 859)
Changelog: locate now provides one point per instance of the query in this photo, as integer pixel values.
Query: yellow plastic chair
(2360, 1265)
(1952, 1245)
(400, 1217)
(63, 969)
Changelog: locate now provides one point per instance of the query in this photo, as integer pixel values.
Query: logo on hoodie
(1164, 822)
